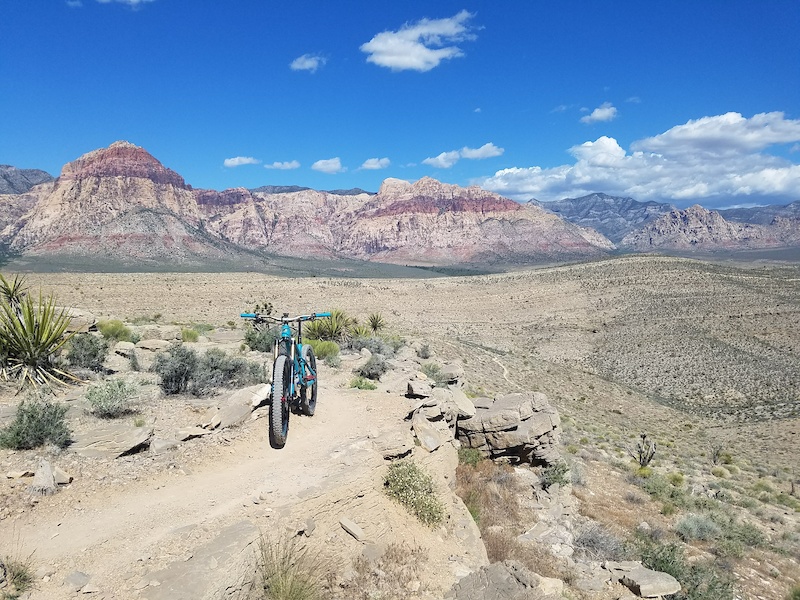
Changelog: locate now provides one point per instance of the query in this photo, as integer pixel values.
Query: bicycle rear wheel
(279, 409)
(308, 389)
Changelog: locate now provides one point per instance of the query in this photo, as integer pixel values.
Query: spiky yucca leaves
(376, 322)
(336, 328)
(12, 292)
(31, 335)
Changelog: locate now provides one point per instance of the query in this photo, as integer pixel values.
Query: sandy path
(111, 534)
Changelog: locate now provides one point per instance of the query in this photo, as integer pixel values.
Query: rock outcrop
(697, 228)
(19, 181)
(522, 426)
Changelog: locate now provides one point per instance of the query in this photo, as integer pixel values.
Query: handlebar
(285, 318)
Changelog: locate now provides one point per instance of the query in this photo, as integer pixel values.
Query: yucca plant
(31, 335)
(360, 331)
(335, 328)
(376, 322)
(12, 292)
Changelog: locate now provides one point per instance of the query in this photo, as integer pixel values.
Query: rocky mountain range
(120, 204)
(19, 181)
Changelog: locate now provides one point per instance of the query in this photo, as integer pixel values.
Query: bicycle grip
(248, 315)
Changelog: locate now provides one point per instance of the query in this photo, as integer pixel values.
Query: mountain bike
(294, 372)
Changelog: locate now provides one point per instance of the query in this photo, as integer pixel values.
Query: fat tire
(279, 409)
(308, 393)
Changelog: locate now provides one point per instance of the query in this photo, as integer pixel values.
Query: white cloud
(374, 164)
(284, 166)
(725, 134)
(328, 165)
(488, 150)
(74, 3)
(445, 160)
(604, 112)
(308, 62)
(419, 46)
(714, 159)
(238, 161)
(634, 100)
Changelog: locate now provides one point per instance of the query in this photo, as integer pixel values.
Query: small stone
(351, 528)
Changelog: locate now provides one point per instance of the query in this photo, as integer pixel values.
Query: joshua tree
(645, 450)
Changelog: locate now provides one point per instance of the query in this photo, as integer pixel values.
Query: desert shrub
(407, 483)
(217, 369)
(260, 340)
(676, 479)
(323, 348)
(336, 328)
(434, 373)
(359, 331)
(286, 570)
(697, 527)
(114, 330)
(375, 366)
(376, 322)
(19, 576)
(424, 352)
(38, 421)
(189, 335)
(469, 456)
(362, 384)
(386, 577)
(334, 361)
(32, 334)
(720, 472)
(555, 473)
(794, 593)
(87, 351)
(112, 398)
(490, 492)
(176, 367)
(595, 542)
(374, 344)
(699, 581)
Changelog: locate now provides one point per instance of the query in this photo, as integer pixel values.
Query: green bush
(697, 527)
(362, 384)
(699, 580)
(323, 348)
(469, 456)
(176, 367)
(424, 352)
(407, 483)
(19, 576)
(189, 335)
(114, 330)
(112, 398)
(38, 421)
(375, 366)
(217, 369)
(260, 340)
(555, 473)
(87, 351)
(434, 372)
(794, 593)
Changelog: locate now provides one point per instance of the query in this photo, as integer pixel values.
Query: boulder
(507, 580)
(523, 426)
(124, 348)
(44, 482)
(429, 437)
(452, 373)
(419, 389)
(111, 441)
(153, 345)
(643, 581)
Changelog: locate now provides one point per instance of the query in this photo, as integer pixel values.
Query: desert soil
(549, 330)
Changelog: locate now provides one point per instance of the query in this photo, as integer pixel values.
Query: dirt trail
(118, 534)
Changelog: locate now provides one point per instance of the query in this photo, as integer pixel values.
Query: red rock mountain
(697, 228)
(121, 203)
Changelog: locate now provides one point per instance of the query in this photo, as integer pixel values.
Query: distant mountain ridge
(120, 203)
(19, 181)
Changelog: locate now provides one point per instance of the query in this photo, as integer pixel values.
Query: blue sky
(681, 101)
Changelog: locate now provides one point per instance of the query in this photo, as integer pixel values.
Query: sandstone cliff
(123, 204)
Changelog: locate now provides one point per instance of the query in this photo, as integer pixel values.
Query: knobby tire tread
(279, 410)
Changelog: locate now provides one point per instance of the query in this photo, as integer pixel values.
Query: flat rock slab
(237, 407)
(428, 436)
(213, 567)
(643, 581)
(111, 441)
(352, 528)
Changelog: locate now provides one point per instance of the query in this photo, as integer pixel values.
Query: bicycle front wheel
(279, 409)
(308, 388)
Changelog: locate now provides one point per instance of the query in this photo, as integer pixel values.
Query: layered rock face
(121, 203)
(697, 228)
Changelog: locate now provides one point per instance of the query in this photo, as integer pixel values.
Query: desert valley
(621, 322)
